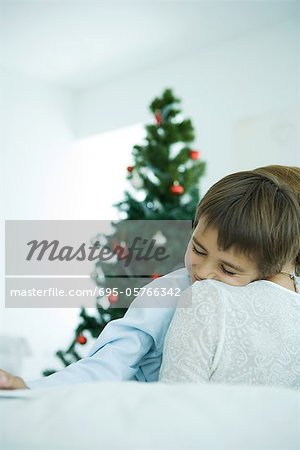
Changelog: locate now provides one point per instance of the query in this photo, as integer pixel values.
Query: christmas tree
(166, 170)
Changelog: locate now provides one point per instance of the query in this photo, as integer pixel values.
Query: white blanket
(156, 416)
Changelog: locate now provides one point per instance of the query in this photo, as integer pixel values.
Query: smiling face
(205, 261)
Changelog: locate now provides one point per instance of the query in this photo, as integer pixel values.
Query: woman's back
(229, 334)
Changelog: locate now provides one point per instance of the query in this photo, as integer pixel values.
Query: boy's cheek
(188, 258)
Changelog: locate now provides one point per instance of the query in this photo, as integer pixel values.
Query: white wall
(37, 127)
(254, 78)
(49, 175)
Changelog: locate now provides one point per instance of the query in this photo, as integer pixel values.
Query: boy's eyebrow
(233, 266)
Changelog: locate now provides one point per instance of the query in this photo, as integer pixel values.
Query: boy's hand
(8, 381)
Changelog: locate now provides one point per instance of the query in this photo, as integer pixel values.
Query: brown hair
(255, 214)
(289, 175)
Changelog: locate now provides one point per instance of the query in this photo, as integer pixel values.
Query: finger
(19, 383)
(4, 379)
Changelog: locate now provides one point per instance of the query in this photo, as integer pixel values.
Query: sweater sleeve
(195, 337)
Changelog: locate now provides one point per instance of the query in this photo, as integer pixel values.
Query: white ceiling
(79, 43)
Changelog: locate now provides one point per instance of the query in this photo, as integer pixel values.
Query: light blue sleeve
(129, 348)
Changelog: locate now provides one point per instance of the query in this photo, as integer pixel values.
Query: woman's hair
(291, 176)
(256, 214)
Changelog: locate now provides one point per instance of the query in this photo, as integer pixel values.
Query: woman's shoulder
(258, 285)
(261, 290)
(238, 305)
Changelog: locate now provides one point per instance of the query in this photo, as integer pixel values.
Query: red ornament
(115, 244)
(176, 189)
(155, 275)
(158, 118)
(120, 250)
(130, 169)
(113, 298)
(194, 154)
(81, 339)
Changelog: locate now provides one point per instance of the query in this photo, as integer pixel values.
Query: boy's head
(246, 220)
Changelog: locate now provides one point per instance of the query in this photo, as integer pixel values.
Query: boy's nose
(206, 273)
(210, 276)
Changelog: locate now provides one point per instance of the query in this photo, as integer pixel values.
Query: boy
(131, 348)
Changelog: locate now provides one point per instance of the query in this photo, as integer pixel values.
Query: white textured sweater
(228, 334)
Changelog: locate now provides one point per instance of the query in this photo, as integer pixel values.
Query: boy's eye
(227, 271)
(197, 251)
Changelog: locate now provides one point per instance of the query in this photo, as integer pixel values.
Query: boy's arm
(119, 350)
(115, 355)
